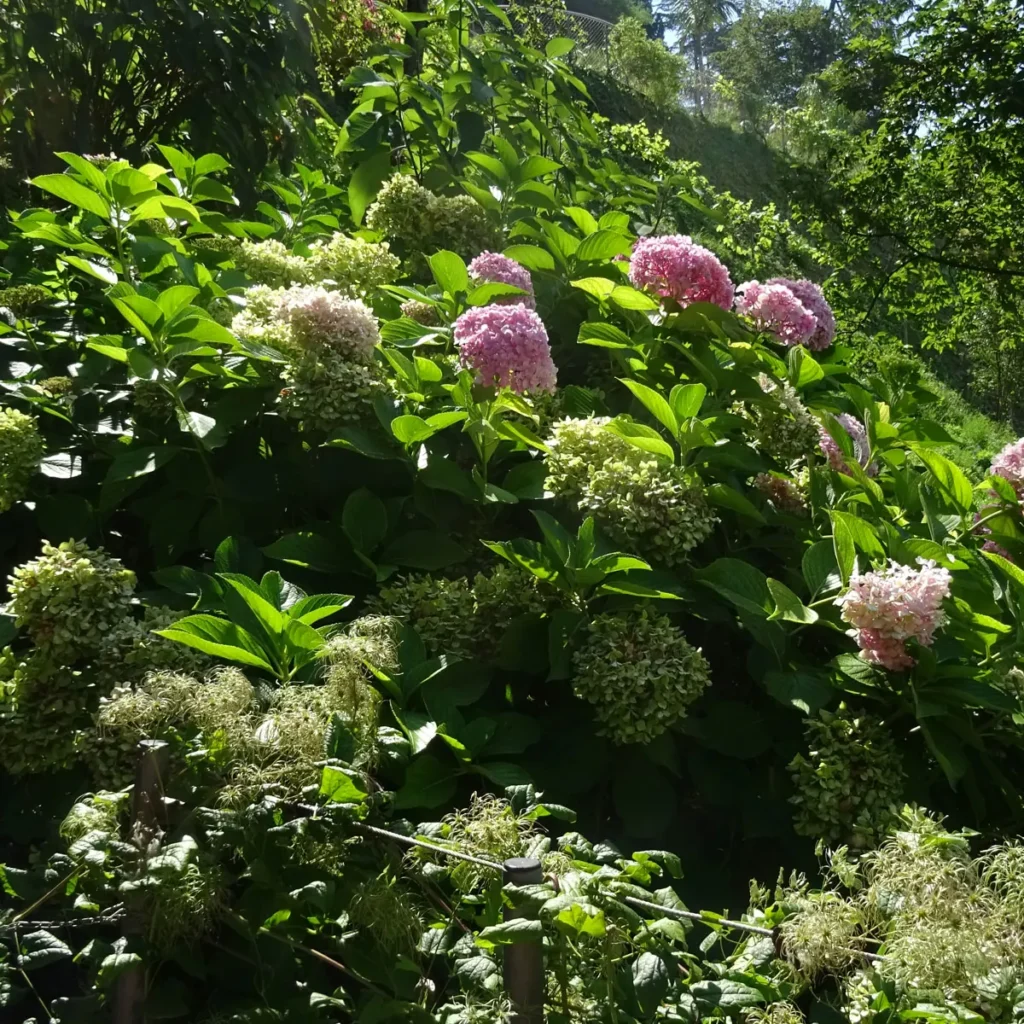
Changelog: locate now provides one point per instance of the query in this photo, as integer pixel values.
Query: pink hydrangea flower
(775, 309)
(859, 436)
(813, 299)
(674, 266)
(507, 346)
(1009, 464)
(892, 605)
(493, 267)
(990, 545)
(319, 318)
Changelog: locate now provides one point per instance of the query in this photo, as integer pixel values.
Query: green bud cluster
(850, 780)
(420, 221)
(69, 598)
(642, 502)
(324, 392)
(639, 672)
(21, 299)
(57, 386)
(21, 448)
(462, 617)
(270, 262)
(132, 648)
(150, 401)
(422, 312)
(353, 264)
(783, 428)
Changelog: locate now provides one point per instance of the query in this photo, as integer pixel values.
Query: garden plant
(484, 486)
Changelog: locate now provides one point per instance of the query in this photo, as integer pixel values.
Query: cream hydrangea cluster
(67, 601)
(21, 448)
(640, 674)
(461, 617)
(422, 312)
(861, 445)
(420, 221)
(890, 606)
(269, 262)
(785, 429)
(330, 377)
(643, 503)
(352, 265)
(850, 782)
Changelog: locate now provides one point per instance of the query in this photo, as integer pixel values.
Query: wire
(410, 841)
(703, 916)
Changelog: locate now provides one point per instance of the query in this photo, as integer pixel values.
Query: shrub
(645, 64)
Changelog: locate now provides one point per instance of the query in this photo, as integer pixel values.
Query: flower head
(889, 606)
(861, 447)
(775, 309)
(325, 320)
(674, 266)
(507, 346)
(813, 298)
(353, 264)
(21, 448)
(493, 267)
(1009, 464)
(783, 494)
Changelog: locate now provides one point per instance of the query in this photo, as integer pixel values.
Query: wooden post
(524, 961)
(130, 991)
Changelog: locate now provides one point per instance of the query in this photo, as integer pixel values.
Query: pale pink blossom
(675, 267)
(493, 267)
(861, 446)
(507, 346)
(813, 298)
(889, 606)
(775, 309)
(1009, 464)
(322, 319)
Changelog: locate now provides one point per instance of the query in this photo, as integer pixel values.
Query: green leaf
(423, 549)
(317, 607)
(537, 166)
(516, 431)
(90, 267)
(372, 445)
(820, 569)
(808, 693)
(804, 369)
(724, 496)
(686, 400)
(428, 783)
(629, 298)
(449, 272)
(364, 520)
(738, 582)
(650, 981)
(654, 403)
(559, 46)
(411, 429)
(603, 245)
(113, 966)
(724, 994)
(948, 475)
(161, 206)
(860, 532)
(533, 257)
(308, 549)
(603, 335)
(599, 287)
(63, 186)
(516, 930)
(341, 786)
(788, 606)
(366, 181)
(216, 636)
(642, 437)
(583, 219)
(138, 462)
(39, 949)
(845, 550)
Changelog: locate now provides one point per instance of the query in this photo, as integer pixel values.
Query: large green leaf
(219, 637)
(63, 186)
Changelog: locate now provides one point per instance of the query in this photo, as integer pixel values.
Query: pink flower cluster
(893, 605)
(675, 267)
(1009, 464)
(507, 346)
(859, 436)
(493, 267)
(775, 309)
(813, 299)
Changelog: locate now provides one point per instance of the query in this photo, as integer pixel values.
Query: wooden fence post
(130, 989)
(523, 967)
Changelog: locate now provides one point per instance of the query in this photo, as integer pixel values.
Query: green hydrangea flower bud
(270, 262)
(639, 672)
(642, 503)
(400, 210)
(21, 448)
(355, 266)
(326, 392)
(849, 781)
(70, 598)
(782, 426)
(21, 299)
